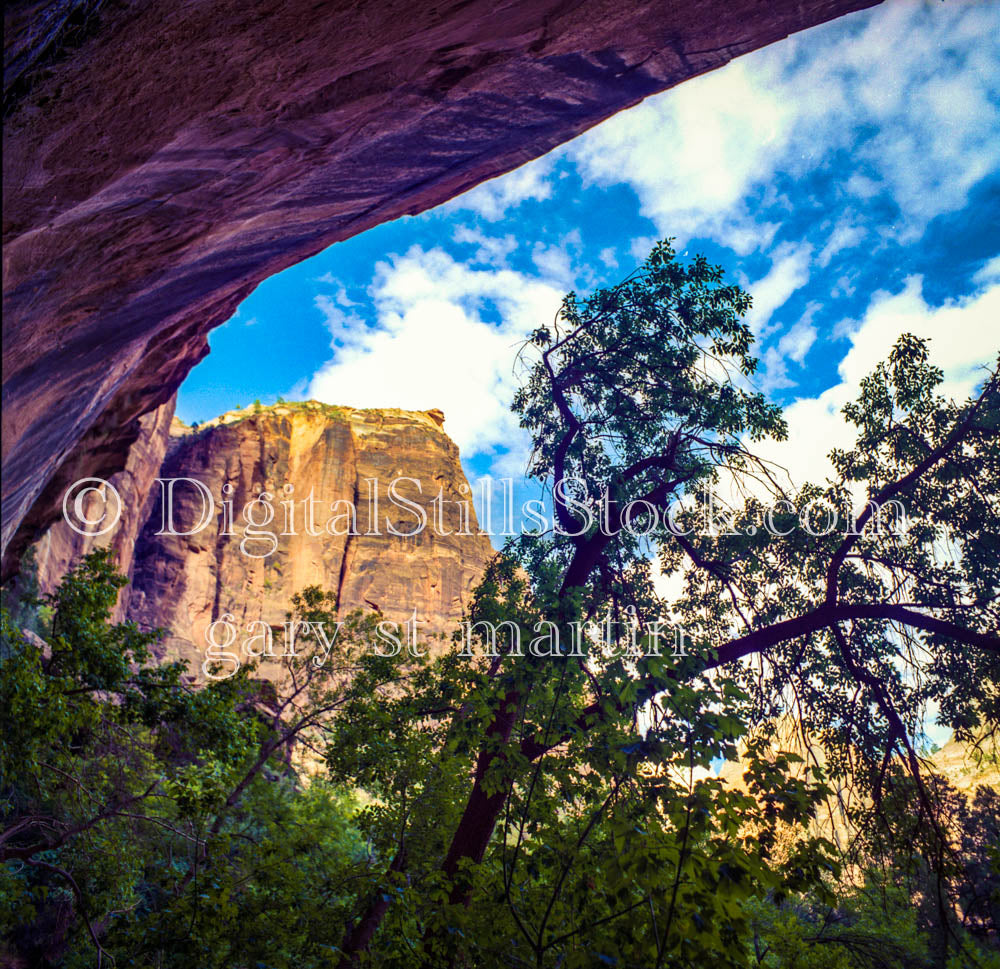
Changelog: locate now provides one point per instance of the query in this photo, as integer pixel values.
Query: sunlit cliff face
(371, 505)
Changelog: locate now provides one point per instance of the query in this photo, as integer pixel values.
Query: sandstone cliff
(161, 159)
(963, 767)
(339, 460)
(62, 546)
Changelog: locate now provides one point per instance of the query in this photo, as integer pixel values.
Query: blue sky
(848, 177)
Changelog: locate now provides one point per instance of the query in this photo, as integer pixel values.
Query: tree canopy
(561, 806)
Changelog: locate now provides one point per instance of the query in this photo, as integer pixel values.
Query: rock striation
(162, 159)
(306, 494)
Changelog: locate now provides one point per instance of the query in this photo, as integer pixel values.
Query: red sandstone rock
(184, 582)
(62, 547)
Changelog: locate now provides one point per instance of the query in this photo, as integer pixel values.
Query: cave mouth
(804, 168)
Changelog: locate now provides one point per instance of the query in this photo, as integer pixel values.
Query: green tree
(152, 822)
(640, 396)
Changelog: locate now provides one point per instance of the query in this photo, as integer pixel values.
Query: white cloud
(963, 338)
(789, 272)
(922, 80)
(775, 371)
(862, 186)
(640, 247)
(793, 345)
(796, 342)
(846, 234)
(494, 199)
(491, 251)
(907, 93)
(552, 262)
(691, 153)
(341, 324)
(988, 272)
(557, 262)
(963, 334)
(432, 345)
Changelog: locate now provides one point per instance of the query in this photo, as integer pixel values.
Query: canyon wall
(162, 158)
(963, 766)
(327, 472)
(63, 546)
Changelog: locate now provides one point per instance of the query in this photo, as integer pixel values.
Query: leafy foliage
(150, 821)
(551, 806)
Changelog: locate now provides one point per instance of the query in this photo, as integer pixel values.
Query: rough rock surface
(161, 159)
(339, 459)
(62, 546)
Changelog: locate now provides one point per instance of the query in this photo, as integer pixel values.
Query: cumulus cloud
(641, 247)
(793, 345)
(444, 335)
(846, 234)
(905, 97)
(552, 262)
(796, 342)
(988, 272)
(691, 153)
(490, 250)
(340, 321)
